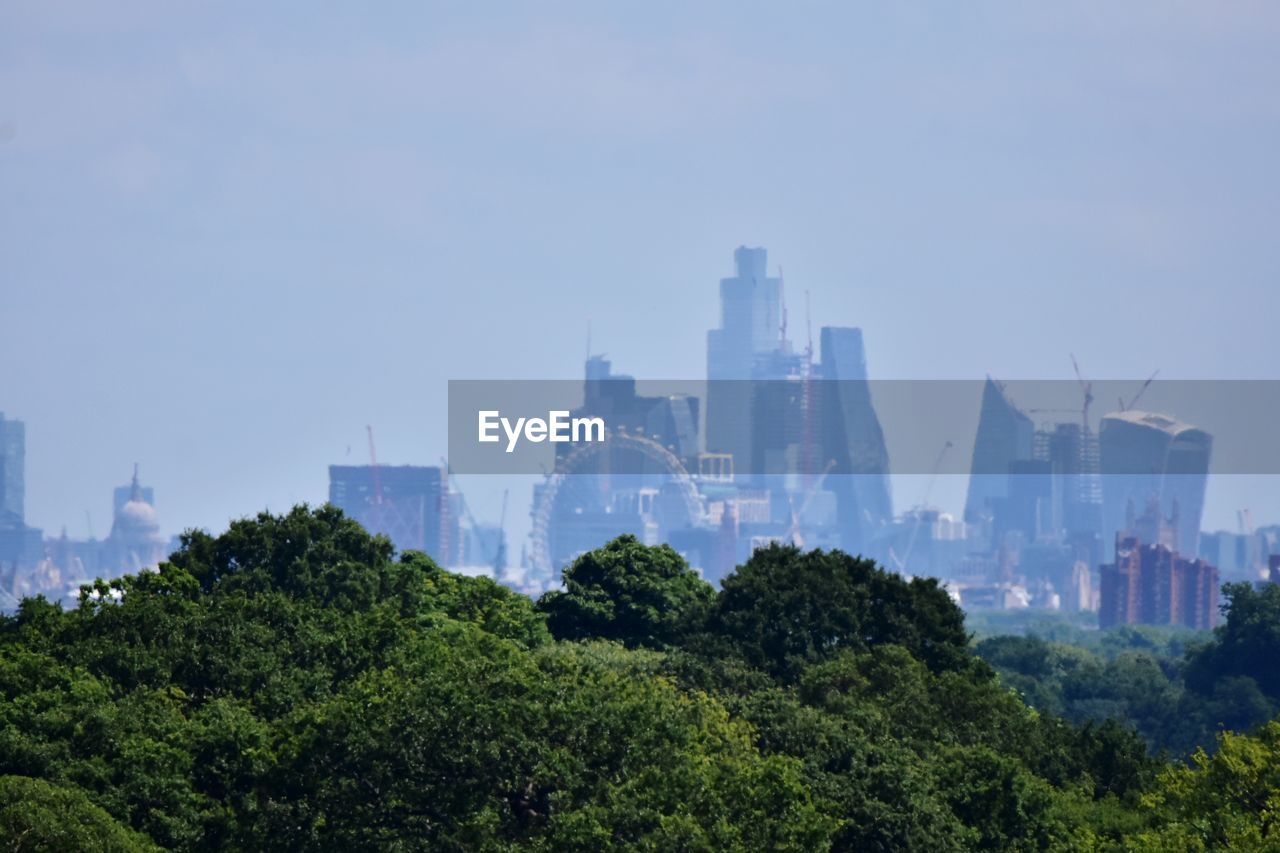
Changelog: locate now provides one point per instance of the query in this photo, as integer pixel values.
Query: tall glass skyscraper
(12, 462)
(749, 345)
(792, 425)
(1005, 435)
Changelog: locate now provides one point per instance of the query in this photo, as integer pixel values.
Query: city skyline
(947, 492)
(995, 506)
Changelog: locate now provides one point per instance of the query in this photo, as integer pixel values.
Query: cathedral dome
(137, 516)
(136, 521)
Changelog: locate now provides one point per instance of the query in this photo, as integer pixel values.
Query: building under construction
(406, 503)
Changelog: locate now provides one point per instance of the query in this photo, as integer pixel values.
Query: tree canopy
(294, 684)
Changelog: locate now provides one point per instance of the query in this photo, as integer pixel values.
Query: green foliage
(35, 815)
(1135, 674)
(1230, 801)
(1246, 645)
(784, 610)
(292, 685)
(635, 595)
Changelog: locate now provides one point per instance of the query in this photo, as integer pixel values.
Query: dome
(136, 521)
(138, 515)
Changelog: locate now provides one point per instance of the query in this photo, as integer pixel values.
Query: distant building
(1148, 456)
(135, 543)
(1055, 566)
(407, 503)
(13, 438)
(853, 442)
(795, 427)
(749, 345)
(1005, 435)
(1273, 569)
(20, 545)
(62, 564)
(671, 421)
(121, 495)
(1074, 463)
(625, 486)
(1150, 584)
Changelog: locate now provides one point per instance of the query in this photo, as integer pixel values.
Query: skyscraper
(1005, 435)
(407, 503)
(750, 318)
(1072, 453)
(749, 345)
(852, 438)
(1145, 457)
(794, 427)
(12, 462)
(20, 545)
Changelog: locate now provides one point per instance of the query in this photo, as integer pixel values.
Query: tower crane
(500, 558)
(1124, 407)
(373, 468)
(793, 534)
(1087, 389)
(497, 560)
(928, 489)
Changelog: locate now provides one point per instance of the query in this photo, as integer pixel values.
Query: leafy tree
(37, 815)
(1247, 644)
(290, 685)
(1230, 801)
(784, 610)
(638, 595)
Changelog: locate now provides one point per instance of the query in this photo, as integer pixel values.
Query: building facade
(1147, 456)
(1150, 583)
(406, 503)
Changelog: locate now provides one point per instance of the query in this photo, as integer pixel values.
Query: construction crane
(1124, 407)
(782, 298)
(810, 402)
(375, 508)
(924, 503)
(1087, 389)
(373, 468)
(499, 559)
(793, 534)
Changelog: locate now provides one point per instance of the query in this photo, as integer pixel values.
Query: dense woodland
(292, 684)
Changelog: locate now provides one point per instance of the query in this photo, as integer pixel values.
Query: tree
(634, 594)
(1246, 644)
(1230, 801)
(290, 685)
(37, 815)
(784, 610)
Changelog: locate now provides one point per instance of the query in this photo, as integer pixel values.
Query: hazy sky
(231, 235)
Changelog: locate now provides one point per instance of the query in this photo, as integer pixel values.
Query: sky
(233, 235)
